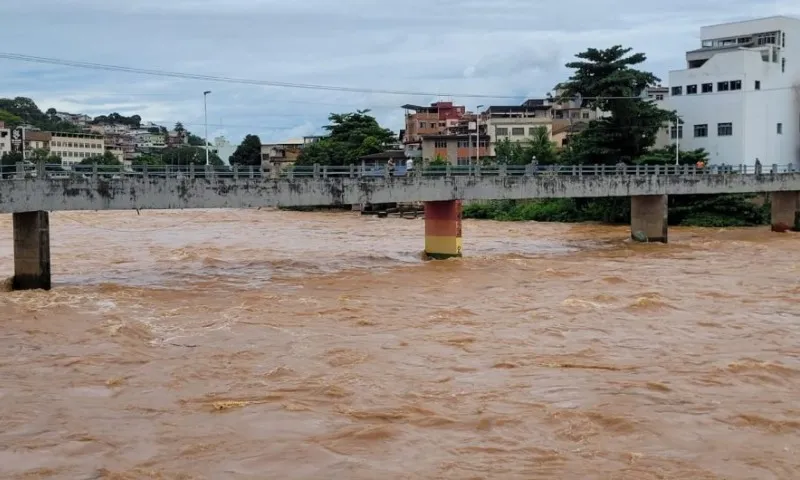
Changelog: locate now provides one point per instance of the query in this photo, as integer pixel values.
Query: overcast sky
(488, 47)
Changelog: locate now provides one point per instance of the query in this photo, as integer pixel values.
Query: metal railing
(114, 172)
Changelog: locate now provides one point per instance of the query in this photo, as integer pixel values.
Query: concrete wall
(31, 194)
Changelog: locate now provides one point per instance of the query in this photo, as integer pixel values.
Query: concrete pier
(31, 250)
(785, 208)
(443, 229)
(649, 218)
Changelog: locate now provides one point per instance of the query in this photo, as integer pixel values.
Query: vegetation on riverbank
(695, 210)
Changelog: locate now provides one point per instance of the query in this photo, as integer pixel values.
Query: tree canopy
(27, 111)
(188, 155)
(116, 119)
(520, 153)
(607, 80)
(248, 152)
(350, 137)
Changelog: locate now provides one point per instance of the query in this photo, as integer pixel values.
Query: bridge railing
(56, 171)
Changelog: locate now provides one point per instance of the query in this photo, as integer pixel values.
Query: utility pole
(677, 140)
(205, 114)
(478, 134)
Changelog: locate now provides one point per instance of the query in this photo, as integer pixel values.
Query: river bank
(695, 210)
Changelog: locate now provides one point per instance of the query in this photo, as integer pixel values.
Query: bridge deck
(95, 188)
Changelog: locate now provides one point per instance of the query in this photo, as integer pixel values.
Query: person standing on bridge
(409, 166)
(390, 167)
(758, 166)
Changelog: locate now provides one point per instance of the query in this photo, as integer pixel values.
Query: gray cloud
(503, 47)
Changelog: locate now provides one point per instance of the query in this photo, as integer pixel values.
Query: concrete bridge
(31, 193)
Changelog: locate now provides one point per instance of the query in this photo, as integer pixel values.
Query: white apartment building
(739, 97)
(75, 147)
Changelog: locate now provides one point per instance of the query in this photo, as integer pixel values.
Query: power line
(211, 78)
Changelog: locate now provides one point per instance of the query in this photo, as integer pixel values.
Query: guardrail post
(20, 170)
(447, 172)
(501, 170)
(94, 172)
(477, 171)
(316, 171)
(597, 169)
(774, 168)
(289, 173)
(352, 170)
(209, 172)
(252, 172)
(325, 172)
(236, 171)
(191, 171)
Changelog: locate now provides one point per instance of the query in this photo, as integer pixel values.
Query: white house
(739, 97)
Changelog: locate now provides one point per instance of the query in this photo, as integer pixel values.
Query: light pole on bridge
(205, 114)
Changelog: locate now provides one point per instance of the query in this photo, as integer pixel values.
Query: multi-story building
(517, 123)
(739, 95)
(281, 154)
(5, 139)
(433, 120)
(75, 147)
(457, 149)
(35, 140)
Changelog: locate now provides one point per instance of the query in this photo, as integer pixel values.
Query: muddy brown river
(249, 344)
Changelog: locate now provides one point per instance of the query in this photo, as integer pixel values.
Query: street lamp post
(478, 134)
(677, 139)
(205, 114)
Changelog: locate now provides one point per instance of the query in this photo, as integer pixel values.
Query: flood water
(250, 344)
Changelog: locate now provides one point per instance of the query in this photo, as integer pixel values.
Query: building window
(723, 86)
(780, 129)
(517, 131)
(585, 115)
(440, 144)
(725, 129)
(758, 84)
(423, 125)
(736, 84)
(531, 131)
(463, 143)
(707, 88)
(701, 130)
(679, 132)
(462, 161)
(677, 91)
(691, 89)
(783, 65)
(501, 131)
(658, 97)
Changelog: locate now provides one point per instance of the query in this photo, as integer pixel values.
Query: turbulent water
(260, 344)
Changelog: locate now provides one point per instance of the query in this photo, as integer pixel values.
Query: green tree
(10, 119)
(27, 110)
(107, 158)
(248, 152)
(194, 140)
(149, 160)
(607, 80)
(188, 155)
(350, 137)
(45, 156)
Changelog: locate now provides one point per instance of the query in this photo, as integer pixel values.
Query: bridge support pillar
(649, 218)
(31, 250)
(785, 211)
(443, 229)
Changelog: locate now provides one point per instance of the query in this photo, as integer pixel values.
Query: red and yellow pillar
(443, 229)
